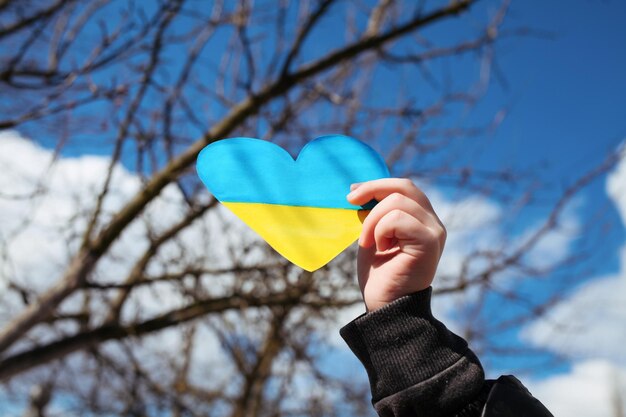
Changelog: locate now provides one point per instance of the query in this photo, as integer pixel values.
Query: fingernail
(355, 186)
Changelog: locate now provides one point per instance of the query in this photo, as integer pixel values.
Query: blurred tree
(164, 305)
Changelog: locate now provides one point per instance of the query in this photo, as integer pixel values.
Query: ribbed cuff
(412, 359)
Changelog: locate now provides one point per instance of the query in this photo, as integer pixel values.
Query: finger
(397, 226)
(379, 189)
(393, 202)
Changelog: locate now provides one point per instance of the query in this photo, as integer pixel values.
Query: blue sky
(565, 91)
(565, 86)
(568, 94)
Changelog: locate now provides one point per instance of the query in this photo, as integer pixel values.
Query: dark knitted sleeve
(416, 366)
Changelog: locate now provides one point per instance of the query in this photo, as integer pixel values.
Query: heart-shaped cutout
(298, 206)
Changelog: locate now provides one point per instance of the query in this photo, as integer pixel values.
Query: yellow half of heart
(307, 236)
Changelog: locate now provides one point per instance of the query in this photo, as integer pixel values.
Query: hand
(401, 241)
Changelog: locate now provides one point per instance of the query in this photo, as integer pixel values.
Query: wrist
(375, 300)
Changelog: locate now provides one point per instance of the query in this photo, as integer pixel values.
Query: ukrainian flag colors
(299, 207)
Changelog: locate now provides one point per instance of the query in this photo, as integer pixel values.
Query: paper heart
(298, 206)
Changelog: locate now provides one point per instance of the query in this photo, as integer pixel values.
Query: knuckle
(395, 198)
(407, 183)
(443, 233)
(395, 215)
(440, 236)
(434, 235)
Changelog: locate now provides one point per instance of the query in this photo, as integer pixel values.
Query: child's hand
(401, 242)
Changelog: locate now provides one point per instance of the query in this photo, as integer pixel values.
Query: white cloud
(555, 245)
(472, 224)
(591, 323)
(38, 233)
(616, 185)
(44, 204)
(591, 389)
